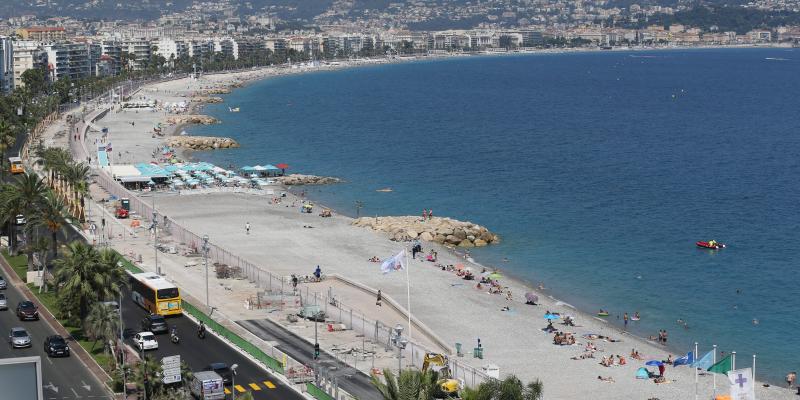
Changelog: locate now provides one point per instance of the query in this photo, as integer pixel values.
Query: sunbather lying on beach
(375, 259)
(584, 356)
(607, 379)
(635, 355)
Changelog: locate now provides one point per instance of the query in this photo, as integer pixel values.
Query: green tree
(34, 80)
(52, 215)
(102, 323)
(23, 196)
(8, 136)
(510, 388)
(412, 384)
(85, 276)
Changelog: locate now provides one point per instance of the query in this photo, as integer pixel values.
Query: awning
(124, 170)
(130, 179)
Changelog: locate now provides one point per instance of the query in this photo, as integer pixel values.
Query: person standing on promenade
(247, 227)
(790, 378)
(625, 320)
(380, 297)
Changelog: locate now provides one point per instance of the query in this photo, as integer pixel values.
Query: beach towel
(642, 373)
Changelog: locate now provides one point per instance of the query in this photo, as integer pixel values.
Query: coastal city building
(6, 64)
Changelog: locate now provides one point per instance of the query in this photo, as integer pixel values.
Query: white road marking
(86, 387)
(51, 387)
(75, 393)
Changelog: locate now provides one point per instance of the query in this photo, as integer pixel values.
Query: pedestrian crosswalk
(254, 386)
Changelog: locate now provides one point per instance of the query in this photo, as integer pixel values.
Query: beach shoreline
(521, 286)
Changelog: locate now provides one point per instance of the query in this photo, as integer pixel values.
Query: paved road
(200, 352)
(350, 380)
(63, 378)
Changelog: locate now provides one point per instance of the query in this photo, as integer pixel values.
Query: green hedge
(318, 393)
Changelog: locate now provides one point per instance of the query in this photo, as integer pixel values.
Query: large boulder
(479, 243)
(426, 236)
(459, 233)
(465, 243)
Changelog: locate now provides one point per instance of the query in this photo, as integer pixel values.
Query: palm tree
(147, 376)
(24, 195)
(102, 323)
(76, 278)
(8, 136)
(412, 384)
(510, 388)
(52, 214)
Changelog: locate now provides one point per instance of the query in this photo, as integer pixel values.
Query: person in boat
(712, 243)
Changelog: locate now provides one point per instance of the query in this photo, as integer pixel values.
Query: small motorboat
(384, 190)
(234, 109)
(711, 244)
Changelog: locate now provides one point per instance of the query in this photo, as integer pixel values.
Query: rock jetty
(202, 142)
(207, 99)
(445, 231)
(300, 179)
(191, 119)
(221, 90)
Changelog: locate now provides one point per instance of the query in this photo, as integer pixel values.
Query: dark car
(223, 370)
(56, 346)
(155, 323)
(27, 310)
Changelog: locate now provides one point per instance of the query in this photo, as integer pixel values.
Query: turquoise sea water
(599, 171)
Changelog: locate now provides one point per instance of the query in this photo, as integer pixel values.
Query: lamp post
(121, 336)
(205, 264)
(233, 381)
(155, 230)
(400, 342)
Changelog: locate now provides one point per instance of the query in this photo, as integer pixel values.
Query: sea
(599, 170)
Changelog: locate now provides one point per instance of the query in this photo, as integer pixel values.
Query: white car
(3, 302)
(145, 341)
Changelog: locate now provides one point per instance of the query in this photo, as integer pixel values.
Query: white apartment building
(28, 54)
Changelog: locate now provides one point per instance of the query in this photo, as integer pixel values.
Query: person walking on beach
(625, 320)
(247, 227)
(380, 297)
(790, 378)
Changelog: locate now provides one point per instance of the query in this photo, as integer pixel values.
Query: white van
(207, 385)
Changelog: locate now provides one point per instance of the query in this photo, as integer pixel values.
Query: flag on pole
(722, 366)
(395, 263)
(685, 360)
(704, 362)
(742, 387)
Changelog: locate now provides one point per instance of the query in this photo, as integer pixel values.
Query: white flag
(742, 385)
(395, 263)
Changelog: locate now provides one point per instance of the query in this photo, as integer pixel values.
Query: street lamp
(233, 381)
(400, 342)
(205, 264)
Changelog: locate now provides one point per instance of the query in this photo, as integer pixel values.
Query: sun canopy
(124, 170)
(130, 179)
(153, 171)
(271, 167)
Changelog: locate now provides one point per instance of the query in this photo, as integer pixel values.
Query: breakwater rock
(202, 142)
(437, 229)
(207, 99)
(300, 179)
(191, 119)
(220, 90)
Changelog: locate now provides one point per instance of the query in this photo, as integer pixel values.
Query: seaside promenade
(452, 309)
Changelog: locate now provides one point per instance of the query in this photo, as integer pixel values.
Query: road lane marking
(239, 388)
(269, 384)
(254, 386)
(75, 393)
(227, 391)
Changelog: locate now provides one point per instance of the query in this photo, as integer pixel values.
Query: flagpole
(408, 293)
(754, 369)
(695, 372)
(714, 361)
(733, 356)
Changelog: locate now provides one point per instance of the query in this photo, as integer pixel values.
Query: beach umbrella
(551, 316)
(494, 275)
(459, 267)
(654, 363)
(283, 168)
(259, 168)
(531, 297)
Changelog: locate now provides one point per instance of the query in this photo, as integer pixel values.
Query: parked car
(56, 346)
(19, 337)
(223, 370)
(155, 323)
(27, 310)
(3, 284)
(20, 220)
(3, 302)
(145, 341)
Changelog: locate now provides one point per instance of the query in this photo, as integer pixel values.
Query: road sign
(171, 369)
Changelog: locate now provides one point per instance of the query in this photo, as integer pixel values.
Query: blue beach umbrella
(551, 316)
(654, 363)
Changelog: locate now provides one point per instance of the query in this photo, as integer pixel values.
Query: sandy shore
(453, 308)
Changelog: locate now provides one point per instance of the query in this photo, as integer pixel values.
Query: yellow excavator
(440, 364)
